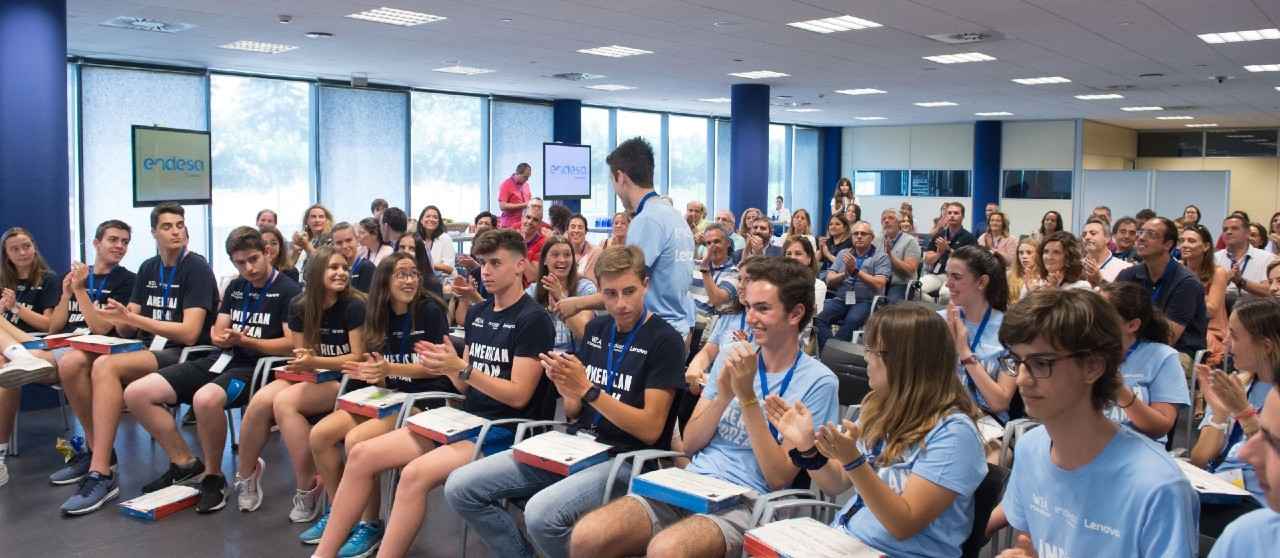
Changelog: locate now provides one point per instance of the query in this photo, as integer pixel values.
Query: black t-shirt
(257, 316)
(292, 273)
(1180, 297)
(495, 339)
(335, 325)
(362, 275)
(655, 361)
(426, 322)
(117, 284)
(36, 296)
(957, 240)
(191, 285)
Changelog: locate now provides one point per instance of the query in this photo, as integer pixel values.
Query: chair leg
(231, 431)
(13, 436)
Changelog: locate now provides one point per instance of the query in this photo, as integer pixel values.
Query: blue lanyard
(644, 200)
(248, 309)
(982, 326)
(166, 280)
(782, 388)
(95, 291)
(1104, 264)
(1130, 351)
(857, 264)
(1244, 265)
(1159, 286)
(357, 263)
(612, 369)
(742, 326)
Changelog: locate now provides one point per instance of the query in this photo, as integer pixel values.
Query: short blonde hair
(616, 260)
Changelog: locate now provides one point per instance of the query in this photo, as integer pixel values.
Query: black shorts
(187, 378)
(167, 357)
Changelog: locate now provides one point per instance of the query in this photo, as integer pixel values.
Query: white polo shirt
(1254, 266)
(1111, 267)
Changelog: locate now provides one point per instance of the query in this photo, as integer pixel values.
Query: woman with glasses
(1154, 382)
(979, 298)
(914, 458)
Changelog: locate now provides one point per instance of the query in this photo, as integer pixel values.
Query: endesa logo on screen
(162, 164)
(570, 171)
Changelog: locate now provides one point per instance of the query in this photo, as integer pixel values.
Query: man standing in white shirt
(1100, 265)
(1248, 265)
(780, 214)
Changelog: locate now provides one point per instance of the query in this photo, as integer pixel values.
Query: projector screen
(171, 165)
(567, 169)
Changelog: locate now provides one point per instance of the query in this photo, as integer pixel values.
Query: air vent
(145, 24)
(1120, 87)
(576, 76)
(965, 38)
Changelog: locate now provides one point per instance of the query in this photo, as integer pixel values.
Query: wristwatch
(464, 374)
(591, 395)
(971, 359)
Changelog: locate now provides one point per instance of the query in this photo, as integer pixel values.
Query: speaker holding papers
(445, 425)
(804, 536)
(105, 345)
(161, 503)
(372, 402)
(560, 453)
(688, 490)
(309, 376)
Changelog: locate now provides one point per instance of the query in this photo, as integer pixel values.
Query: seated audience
(1175, 291)
(361, 271)
(29, 290)
(317, 222)
(979, 299)
(395, 225)
(800, 226)
(836, 239)
(949, 235)
(1154, 384)
(277, 252)
(377, 206)
(413, 246)
(439, 243)
(1124, 234)
(369, 237)
(1196, 245)
(903, 252)
(558, 279)
(859, 275)
(1027, 270)
(1062, 264)
(997, 238)
(1100, 265)
(727, 220)
(713, 288)
(1050, 222)
(1246, 280)
(483, 222)
(760, 243)
(749, 215)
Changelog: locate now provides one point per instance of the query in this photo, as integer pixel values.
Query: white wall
(1036, 145)
(1024, 215)
(934, 147)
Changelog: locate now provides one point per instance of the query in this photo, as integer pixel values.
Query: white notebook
(1208, 483)
(805, 536)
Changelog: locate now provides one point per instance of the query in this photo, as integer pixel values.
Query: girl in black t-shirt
(28, 288)
(326, 323)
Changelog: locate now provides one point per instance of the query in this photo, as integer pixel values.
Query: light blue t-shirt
(661, 233)
(564, 336)
(1229, 459)
(1131, 501)
(988, 351)
(1249, 536)
(722, 328)
(950, 456)
(875, 262)
(1154, 373)
(728, 455)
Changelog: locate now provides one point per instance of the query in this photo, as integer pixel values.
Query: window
(595, 132)
(880, 182)
(804, 173)
(447, 160)
(519, 130)
(724, 154)
(778, 163)
(362, 150)
(261, 142)
(940, 183)
(1240, 143)
(647, 125)
(1037, 184)
(114, 100)
(689, 160)
(1170, 144)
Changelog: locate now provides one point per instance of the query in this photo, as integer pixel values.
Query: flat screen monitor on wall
(171, 165)
(566, 171)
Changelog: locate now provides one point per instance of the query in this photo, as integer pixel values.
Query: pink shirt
(510, 192)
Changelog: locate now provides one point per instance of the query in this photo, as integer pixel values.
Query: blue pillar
(832, 138)
(566, 127)
(986, 169)
(749, 152)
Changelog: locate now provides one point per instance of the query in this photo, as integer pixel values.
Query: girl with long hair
(413, 246)
(843, 198)
(317, 221)
(800, 227)
(29, 290)
(372, 246)
(277, 251)
(799, 249)
(1258, 236)
(1062, 263)
(979, 299)
(1050, 223)
(558, 279)
(438, 242)
(1196, 245)
(1273, 234)
(997, 239)
(583, 251)
(1026, 271)
(837, 239)
(749, 215)
(1154, 382)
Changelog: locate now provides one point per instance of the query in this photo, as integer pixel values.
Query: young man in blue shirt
(1256, 531)
(1083, 485)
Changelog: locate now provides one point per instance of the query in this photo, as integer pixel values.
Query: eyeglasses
(861, 233)
(1040, 366)
(1148, 232)
(406, 275)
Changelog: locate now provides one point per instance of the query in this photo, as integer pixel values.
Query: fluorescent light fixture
(716, 100)
(864, 91)
(395, 16)
(463, 70)
(1140, 109)
(932, 104)
(258, 46)
(760, 74)
(835, 24)
(960, 58)
(610, 87)
(1278, 88)
(1099, 96)
(1240, 36)
(869, 118)
(1201, 125)
(1263, 68)
(804, 109)
(1041, 80)
(1001, 113)
(1175, 118)
(614, 51)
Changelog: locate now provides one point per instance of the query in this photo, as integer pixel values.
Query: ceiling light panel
(960, 58)
(258, 46)
(610, 87)
(804, 109)
(835, 24)
(1201, 125)
(463, 70)
(1001, 113)
(615, 51)
(1041, 80)
(933, 104)
(395, 16)
(716, 100)
(1175, 118)
(869, 118)
(1263, 68)
(1099, 96)
(863, 91)
(1241, 36)
(1140, 109)
(760, 74)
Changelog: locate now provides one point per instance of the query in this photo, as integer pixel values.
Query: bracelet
(1131, 401)
(748, 403)
(862, 459)
(1248, 412)
(808, 463)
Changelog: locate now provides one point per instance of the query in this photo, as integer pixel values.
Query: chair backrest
(985, 499)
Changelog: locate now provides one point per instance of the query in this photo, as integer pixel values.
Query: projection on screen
(171, 165)
(567, 171)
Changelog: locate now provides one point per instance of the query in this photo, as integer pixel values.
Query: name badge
(221, 364)
(158, 343)
(850, 298)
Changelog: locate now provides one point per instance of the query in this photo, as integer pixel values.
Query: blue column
(986, 169)
(832, 138)
(749, 152)
(566, 127)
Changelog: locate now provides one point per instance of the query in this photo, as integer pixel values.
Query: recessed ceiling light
(463, 70)
(1099, 96)
(835, 24)
(1278, 88)
(932, 104)
(1041, 80)
(716, 100)
(804, 109)
(610, 87)
(1201, 125)
(318, 35)
(614, 51)
(760, 74)
(863, 91)
(960, 58)
(1263, 68)
(1140, 109)
(1175, 118)
(1240, 36)
(394, 16)
(1001, 113)
(869, 118)
(258, 46)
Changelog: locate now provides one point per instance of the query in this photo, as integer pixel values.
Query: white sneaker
(307, 504)
(25, 370)
(4, 473)
(249, 491)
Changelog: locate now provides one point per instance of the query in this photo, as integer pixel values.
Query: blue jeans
(896, 293)
(850, 317)
(476, 491)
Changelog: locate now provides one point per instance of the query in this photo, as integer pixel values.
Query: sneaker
(189, 419)
(176, 474)
(364, 539)
(213, 494)
(25, 370)
(315, 531)
(249, 491)
(95, 491)
(307, 504)
(76, 469)
(4, 473)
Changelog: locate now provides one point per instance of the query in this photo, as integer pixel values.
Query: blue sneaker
(95, 491)
(364, 539)
(315, 531)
